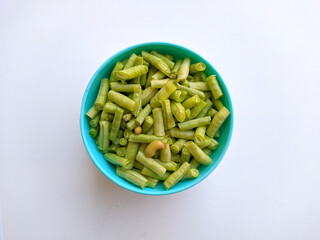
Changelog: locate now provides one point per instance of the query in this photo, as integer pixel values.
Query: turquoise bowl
(178, 52)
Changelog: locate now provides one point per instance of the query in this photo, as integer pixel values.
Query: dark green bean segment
(95, 121)
(133, 177)
(121, 151)
(194, 123)
(176, 176)
(102, 94)
(184, 70)
(214, 86)
(217, 121)
(197, 67)
(157, 62)
(138, 165)
(131, 73)
(94, 131)
(203, 76)
(123, 141)
(117, 160)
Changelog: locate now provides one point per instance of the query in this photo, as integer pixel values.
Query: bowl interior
(89, 97)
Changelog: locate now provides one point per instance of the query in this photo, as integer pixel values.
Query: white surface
(266, 187)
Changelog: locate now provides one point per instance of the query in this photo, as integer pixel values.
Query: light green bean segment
(110, 107)
(151, 164)
(158, 83)
(170, 166)
(197, 67)
(184, 69)
(207, 151)
(95, 121)
(127, 133)
(127, 117)
(177, 133)
(132, 149)
(117, 160)
(198, 154)
(178, 111)
(133, 177)
(165, 154)
(204, 143)
(188, 113)
(191, 91)
(178, 145)
(130, 73)
(168, 117)
(204, 111)
(139, 61)
(152, 182)
(151, 72)
(119, 87)
(163, 94)
(185, 156)
(116, 124)
(175, 69)
(218, 103)
(147, 124)
(103, 138)
(102, 94)
(200, 134)
(158, 76)
(195, 111)
(144, 138)
(157, 62)
(176, 158)
(201, 86)
(137, 98)
(122, 100)
(92, 112)
(191, 174)
(94, 131)
(164, 58)
(148, 94)
(106, 116)
(178, 96)
(113, 148)
(194, 123)
(143, 114)
(214, 86)
(147, 172)
(158, 125)
(212, 112)
(131, 61)
(213, 144)
(217, 121)
(191, 102)
(118, 67)
(132, 124)
(121, 151)
(194, 163)
(176, 176)
(123, 141)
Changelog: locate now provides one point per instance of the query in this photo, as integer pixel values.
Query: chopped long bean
(133, 177)
(214, 86)
(158, 125)
(165, 154)
(184, 69)
(144, 138)
(117, 160)
(167, 114)
(197, 67)
(131, 153)
(217, 121)
(131, 61)
(95, 121)
(164, 58)
(102, 94)
(198, 154)
(178, 96)
(185, 155)
(191, 102)
(176, 176)
(122, 100)
(116, 124)
(212, 112)
(158, 83)
(201, 86)
(147, 124)
(204, 111)
(218, 103)
(147, 172)
(177, 133)
(175, 69)
(119, 66)
(137, 98)
(194, 123)
(147, 95)
(143, 114)
(178, 111)
(191, 91)
(130, 73)
(151, 164)
(200, 134)
(157, 62)
(92, 112)
(196, 110)
(118, 87)
(178, 145)
(163, 94)
(191, 174)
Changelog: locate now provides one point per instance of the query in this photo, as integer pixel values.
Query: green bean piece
(212, 112)
(117, 160)
(185, 155)
(119, 87)
(119, 66)
(169, 57)
(147, 172)
(188, 113)
(144, 138)
(196, 77)
(131, 61)
(201, 86)
(194, 123)
(199, 134)
(178, 145)
(214, 86)
(207, 95)
(143, 79)
(178, 111)
(158, 83)
(167, 115)
(123, 141)
(102, 94)
(176, 158)
(106, 116)
(94, 131)
(143, 114)
(112, 148)
(137, 165)
(185, 83)
(170, 166)
(217, 134)
(207, 151)
(203, 76)
(191, 102)
(184, 69)
(213, 145)
(158, 125)
(163, 94)
(198, 154)
(110, 107)
(139, 61)
(151, 72)
(95, 121)
(122, 100)
(176, 176)
(194, 163)
(127, 117)
(150, 132)
(116, 125)
(204, 111)
(120, 133)
(148, 94)
(178, 96)
(92, 112)
(151, 164)
(103, 138)
(147, 124)
(127, 133)
(133, 177)
(123, 124)
(157, 62)
(164, 58)
(204, 143)
(137, 98)
(132, 149)
(121, 151)
(191, 91)
(191, 174)
(130, 73)
(165, 153)
(218, 103)
(152, 182)
(197, 67)
(195, 111)
(175, 69)
(132, 124)
(177, 133)
(142, 147)
(158, 76)
(217, 121)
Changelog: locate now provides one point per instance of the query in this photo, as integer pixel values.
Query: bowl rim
(137, 190)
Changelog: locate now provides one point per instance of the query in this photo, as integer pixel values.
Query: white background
(266, 187)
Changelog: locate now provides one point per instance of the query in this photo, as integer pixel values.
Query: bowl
(178, 52)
